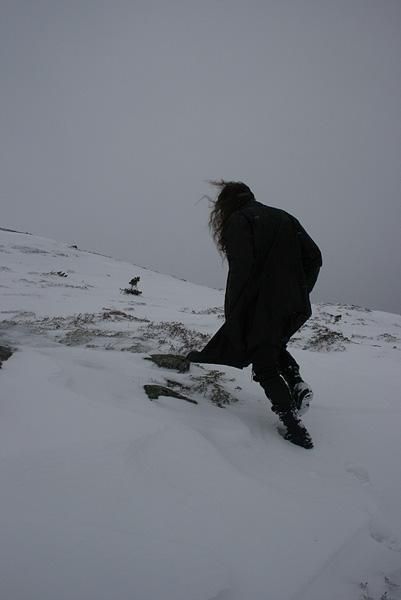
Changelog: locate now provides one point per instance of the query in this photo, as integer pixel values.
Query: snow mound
(106, 494)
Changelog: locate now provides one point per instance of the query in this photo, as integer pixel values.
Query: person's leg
(289, 368)
(266, 372)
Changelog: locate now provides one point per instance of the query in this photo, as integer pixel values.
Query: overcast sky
(115, 113)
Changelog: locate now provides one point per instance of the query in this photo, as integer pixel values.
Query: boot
(301, 391)
(296, 432)
(302, 394)
(278, 392)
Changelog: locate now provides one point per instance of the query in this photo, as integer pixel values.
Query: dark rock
(134, 292)
(5, 353)
(153, 392)
(177, 384)
(175, 362)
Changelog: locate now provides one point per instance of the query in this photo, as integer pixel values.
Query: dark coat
(273, 266)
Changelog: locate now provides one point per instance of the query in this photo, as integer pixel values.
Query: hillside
(106, 494)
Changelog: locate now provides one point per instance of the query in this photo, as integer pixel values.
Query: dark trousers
(277, 371)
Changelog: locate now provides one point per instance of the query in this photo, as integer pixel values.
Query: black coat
(273, 266)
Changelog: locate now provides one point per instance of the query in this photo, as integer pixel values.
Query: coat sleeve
(311, 256)
(238, 240)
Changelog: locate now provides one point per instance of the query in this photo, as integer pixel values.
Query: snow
(106, 494)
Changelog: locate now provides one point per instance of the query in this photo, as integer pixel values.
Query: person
(273, 267)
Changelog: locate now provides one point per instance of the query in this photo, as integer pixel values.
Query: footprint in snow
(359, 472)
(381, 533)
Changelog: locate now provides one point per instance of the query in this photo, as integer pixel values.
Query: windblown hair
(232, 196)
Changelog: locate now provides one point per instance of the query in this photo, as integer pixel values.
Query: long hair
(232, 195)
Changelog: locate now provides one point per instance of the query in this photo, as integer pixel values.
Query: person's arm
(311, 256)
(239, 248)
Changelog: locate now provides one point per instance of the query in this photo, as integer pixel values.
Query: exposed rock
(177, 384)
(176, 362)
(5, 353)
(153, 391)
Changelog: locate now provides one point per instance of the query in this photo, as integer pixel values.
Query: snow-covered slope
(105, 494)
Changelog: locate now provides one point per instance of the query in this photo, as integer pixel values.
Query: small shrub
(174, 336)
(211, 385)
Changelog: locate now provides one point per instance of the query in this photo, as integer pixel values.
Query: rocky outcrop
(5, 353)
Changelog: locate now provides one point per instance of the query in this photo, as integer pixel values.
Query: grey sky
(115, 113)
